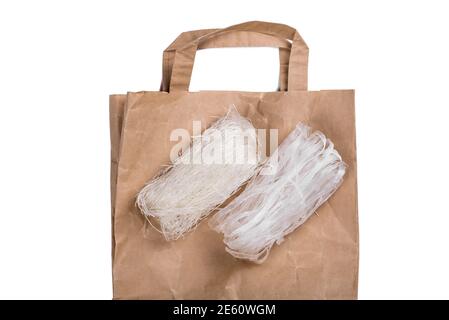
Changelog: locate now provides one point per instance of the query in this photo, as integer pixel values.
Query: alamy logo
(228, 146)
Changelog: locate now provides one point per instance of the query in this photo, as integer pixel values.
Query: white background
(59, 61)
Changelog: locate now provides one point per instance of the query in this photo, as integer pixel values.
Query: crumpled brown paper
(317, 261)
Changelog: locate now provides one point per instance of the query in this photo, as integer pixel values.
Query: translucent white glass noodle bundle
(305, 172)
(207, 173)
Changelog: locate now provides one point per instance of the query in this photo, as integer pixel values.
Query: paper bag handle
(224, 40)
(298, 59)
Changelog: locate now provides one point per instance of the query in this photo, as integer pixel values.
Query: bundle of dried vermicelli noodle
(188, 190)
(307, 171)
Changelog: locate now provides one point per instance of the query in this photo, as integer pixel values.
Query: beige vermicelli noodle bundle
(308, 172)
(206, 174)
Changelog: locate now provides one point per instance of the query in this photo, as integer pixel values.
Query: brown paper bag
(317, 261)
